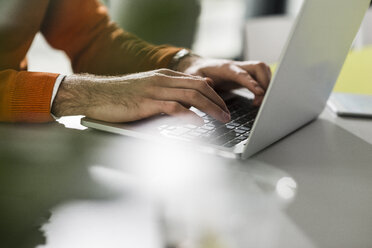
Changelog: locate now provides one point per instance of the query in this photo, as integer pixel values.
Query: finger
(269, 72)
(210, 82)
(258, 100)
(243, 78)
(201, 85)
(194, 98)
(261, 72)
(169, 72)
(175, 109)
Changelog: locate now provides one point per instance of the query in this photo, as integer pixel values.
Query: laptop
(309, 67)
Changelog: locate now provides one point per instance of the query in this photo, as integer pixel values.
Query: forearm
(78, 94)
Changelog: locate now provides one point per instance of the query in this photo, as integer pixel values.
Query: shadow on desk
(333, 171)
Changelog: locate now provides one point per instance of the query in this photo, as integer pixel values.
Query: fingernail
(259, 90)
(226, 116)
(257, 102)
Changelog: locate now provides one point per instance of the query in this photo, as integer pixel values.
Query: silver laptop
(309, 67)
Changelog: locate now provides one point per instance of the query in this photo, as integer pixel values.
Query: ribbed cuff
(30, 98)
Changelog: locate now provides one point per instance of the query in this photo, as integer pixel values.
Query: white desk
(312, 189)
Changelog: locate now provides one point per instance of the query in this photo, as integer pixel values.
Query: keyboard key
(249, 124)
(201, 130)
(208, 127)
(177, 131)
(194, 134)
(232, 123)
(188, 137)
(243, 128)
(246, 134)
(206, 137)
(243, 120)
(162, 127)
(233, 134)
(240, 131)
(230, 126)
(190, 126)
(234, 115)
(217, 123)
(241, 138)
(241, 112)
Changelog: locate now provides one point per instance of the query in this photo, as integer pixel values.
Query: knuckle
(241, 74)
(227, 66)
(173, 107)
(261, 65)
(202, 85)
(195, 95)
(191, 94)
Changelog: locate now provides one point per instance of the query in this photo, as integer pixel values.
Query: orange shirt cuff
(26, 96)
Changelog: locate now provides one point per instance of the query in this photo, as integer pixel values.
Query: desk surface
(84, 188)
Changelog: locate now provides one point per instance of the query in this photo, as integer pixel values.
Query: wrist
(67, 101)
(183, 60)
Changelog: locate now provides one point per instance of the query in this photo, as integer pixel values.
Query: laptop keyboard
(243, 115)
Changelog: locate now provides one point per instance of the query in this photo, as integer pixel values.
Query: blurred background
(212, 28)
(232, 29)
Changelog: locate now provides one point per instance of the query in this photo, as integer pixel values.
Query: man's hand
(228, 75)
(137, 96)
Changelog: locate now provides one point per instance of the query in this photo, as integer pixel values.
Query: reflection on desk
(63, 187)
(41, 166)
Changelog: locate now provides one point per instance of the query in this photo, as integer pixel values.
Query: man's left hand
(228, 75)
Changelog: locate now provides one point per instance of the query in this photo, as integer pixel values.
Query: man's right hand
(137, 96)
